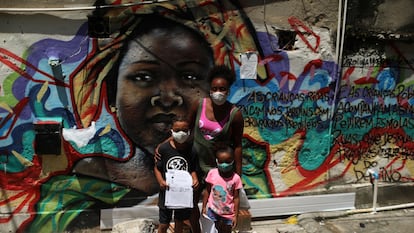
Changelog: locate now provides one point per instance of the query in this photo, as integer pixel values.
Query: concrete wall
(324, 108)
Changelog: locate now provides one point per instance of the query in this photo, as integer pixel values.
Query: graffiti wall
(84, 102)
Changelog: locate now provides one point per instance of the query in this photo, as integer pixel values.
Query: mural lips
(162, 122)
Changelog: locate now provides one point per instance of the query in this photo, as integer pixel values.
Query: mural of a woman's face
(163, 71)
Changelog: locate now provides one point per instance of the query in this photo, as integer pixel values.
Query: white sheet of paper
(248, 68)
(180, 192)
(207, 225)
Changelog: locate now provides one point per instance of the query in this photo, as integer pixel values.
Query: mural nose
(167, 100)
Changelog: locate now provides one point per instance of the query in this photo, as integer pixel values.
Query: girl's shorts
(215, 217)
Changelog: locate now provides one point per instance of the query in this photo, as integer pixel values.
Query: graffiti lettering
(370, 164)
(363, 61)
(346, 92)
(354, 122)
(371, 92)
(385, 175)
(354, 92)
(252, 110)
(393, 138)
(402, 153)
(349, 138)
(404, 93)
(395, 123)
(389, 175)
(258, 96)
(355, 155)
(263, 123)
(306, 112)
(274, 111)
(314, 96)
(303, 124)
(368, 108)
(361, 175)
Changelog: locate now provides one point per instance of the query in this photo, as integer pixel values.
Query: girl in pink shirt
(221, 200)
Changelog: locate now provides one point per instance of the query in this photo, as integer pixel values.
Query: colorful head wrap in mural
(95, 87)
(222, 23)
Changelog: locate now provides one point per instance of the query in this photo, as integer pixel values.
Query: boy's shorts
(165, 215)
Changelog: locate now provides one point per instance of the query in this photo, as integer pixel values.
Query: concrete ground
(394, 213)
(395, 220)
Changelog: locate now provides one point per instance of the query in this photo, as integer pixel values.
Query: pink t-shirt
(221, 195)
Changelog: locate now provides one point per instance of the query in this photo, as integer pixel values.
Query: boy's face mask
(225, 167)
(180, 136)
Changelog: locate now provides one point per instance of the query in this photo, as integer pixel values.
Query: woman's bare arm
(237, 134)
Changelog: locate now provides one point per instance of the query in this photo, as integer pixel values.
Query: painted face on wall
(163, 71)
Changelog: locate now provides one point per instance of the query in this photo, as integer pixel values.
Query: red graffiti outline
(23, 73)
(16, 111)
(271, 186)
(295, 23)
(398, 51)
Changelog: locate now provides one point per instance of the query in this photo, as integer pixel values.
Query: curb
(314, 222)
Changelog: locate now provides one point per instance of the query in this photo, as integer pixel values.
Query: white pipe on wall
(340, 35)
(343, 34)
(384, 208)
(44, 9)
(338, 32)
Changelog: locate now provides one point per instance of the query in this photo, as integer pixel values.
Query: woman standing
(217, 122)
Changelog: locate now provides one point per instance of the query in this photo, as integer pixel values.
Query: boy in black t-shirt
(176, 154)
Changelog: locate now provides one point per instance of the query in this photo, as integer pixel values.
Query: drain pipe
(392, 207)
(340, 36)
(374, 179)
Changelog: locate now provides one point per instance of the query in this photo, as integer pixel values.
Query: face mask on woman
(225, 167)
(218, 97)
(180, 136)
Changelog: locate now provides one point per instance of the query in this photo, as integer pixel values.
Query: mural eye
(190, 77)
(142, 79)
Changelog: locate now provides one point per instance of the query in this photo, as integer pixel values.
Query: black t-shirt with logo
(173, 159)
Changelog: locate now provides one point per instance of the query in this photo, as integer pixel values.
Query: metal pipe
(338, 32)
(343, 33)
(45, 9)
(375, 195)
(392, 207)
(340, 35)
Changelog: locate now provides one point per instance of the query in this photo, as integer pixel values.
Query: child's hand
(234, 222)
(163, 185)
(196, 184)
(157, 156)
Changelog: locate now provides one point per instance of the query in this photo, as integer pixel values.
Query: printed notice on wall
(180, 192)
(248, 69)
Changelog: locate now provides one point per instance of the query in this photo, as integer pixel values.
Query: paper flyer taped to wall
(248, 68)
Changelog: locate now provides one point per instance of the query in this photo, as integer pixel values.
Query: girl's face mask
(225, 167)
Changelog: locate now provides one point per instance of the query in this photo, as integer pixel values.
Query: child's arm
(160, 179)
(157, 155)
(205, 198)
(236, 207)
(196, 183)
